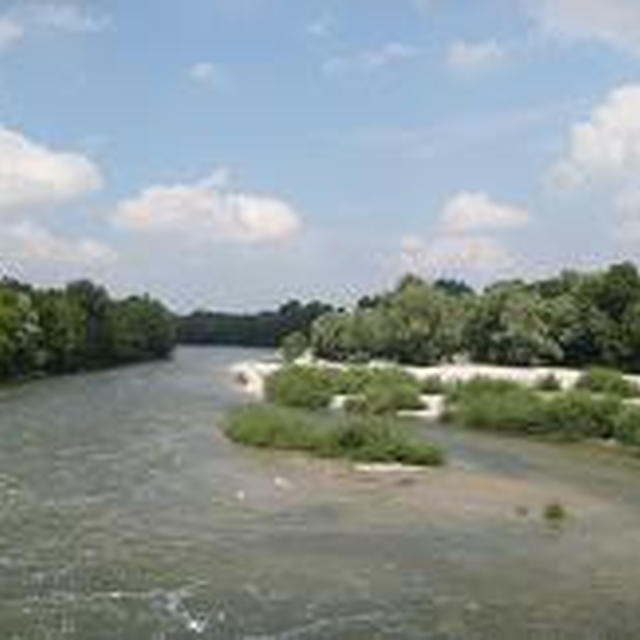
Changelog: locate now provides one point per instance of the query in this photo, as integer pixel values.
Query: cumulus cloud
(27, 241)
(475, 56)
(73, 18)
(208, 73)
(626, 223)
(454, 254)
(607, 146)
(321, 26)
(614, 22)
(32, 175)
(460, 242)
(370, 60)
(209, 209)
(10, 32)
(474, 211)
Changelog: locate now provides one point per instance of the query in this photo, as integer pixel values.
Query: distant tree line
(79, 327)
(263, 329)
(573, 319)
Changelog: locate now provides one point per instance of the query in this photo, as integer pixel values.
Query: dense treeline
(50, 331)
(573, 319)
(265, 329)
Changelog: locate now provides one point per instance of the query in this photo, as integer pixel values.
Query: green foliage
(554, 512)
(415, 323)
(378, 390)
(301, 387)
(480, 385)
(434, 386)
(573, 319)
(325, 435)
(602, 380)
(577, 414)
(510, 325)
(379, 399)
(548, 383)
(352, 380)
(80, 327)
(294, 345)
(515, 410)
(626, 427)
(264, 329)
(570, 416)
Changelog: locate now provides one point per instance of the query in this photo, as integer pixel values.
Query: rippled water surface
(124, 514)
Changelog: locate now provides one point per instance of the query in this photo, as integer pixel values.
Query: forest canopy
(79, 327)
(263, 329)
(572, 319)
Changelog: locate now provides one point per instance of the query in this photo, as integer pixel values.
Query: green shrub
(433, 386)
(573, 415)
(601, 380)
(578, 414)
(384, 391)
(302, 387)
(294, 345)
(627, 426)
(481, 385)
(329, 435)
(354, 380)
(274, 427)
(351, 380)
(554, 512)
(548, 383)
(511, 410)
(381, 399)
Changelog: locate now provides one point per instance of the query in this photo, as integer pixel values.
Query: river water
(125, 514)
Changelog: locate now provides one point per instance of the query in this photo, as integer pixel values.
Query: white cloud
(446, 254)
(459, 243)
(27, 241)
(10, 32)
(209, 209)
(208, 73)
(32, 175)
(370, 60)
(607, 146)
(473, 211)
(68, 17)
(614, 22)
(626, 223)
(321, 26)
(475, 56)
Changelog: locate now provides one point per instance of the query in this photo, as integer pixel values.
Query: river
(125, 514)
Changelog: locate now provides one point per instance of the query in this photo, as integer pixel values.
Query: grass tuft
(554, 512)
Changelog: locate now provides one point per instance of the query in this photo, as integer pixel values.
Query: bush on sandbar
(327, 435)
(548, 383)
(382, 397)
(627, 426)
(602, 380)
(301, 387)
(570, 416)
(434, 386)
(480, 385)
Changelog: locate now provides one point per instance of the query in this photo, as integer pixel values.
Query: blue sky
(234, 153)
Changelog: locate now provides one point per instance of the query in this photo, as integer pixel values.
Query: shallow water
(125, 514)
